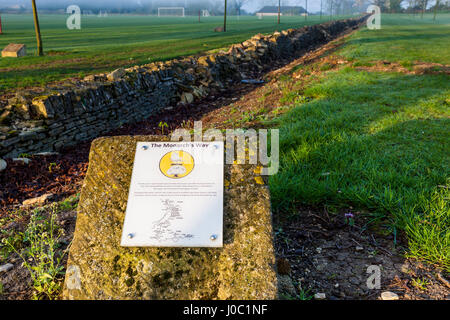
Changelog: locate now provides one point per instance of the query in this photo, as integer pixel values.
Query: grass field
(376, 141)
(404, 38)
(105, 43)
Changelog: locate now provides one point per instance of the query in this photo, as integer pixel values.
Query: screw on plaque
(130, 236)
(145, 147)
(213, 237)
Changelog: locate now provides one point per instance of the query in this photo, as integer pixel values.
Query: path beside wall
(76, 111)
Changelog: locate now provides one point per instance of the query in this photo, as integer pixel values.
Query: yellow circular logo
(176, 164)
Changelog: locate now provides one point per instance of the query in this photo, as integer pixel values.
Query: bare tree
(306, 9)
(238, 4)
(424, 7)
(40, 51)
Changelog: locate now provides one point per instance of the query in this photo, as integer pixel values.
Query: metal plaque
(176, 195)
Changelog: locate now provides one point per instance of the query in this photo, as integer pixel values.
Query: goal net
(171, 12)
(205, 13)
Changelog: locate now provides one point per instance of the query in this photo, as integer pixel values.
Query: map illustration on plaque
(176, 164)
(162, 228)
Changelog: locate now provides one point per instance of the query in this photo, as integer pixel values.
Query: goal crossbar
(171, 11)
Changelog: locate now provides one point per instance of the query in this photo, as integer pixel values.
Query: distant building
(13, 9)
(284, 10)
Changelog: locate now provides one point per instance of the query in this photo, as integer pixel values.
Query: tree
(40, 51)
(383, 4)
(238, 4)
(424, 7)
(395, 5)
(436, 5)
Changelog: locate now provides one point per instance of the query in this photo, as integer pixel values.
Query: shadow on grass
(378, 142)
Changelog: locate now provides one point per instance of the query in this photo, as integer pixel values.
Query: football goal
(171, 12)
(205, 13)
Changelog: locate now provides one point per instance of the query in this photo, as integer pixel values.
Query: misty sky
(251, 5)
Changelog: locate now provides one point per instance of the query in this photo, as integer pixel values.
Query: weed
(305, 294)
(420, 283)
(162, 125)
(24, 155)
(41, 257)
(51, 166)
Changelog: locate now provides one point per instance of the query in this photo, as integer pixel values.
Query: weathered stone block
(14, 50)
(43, 107)
(116, 74)
(98, 268)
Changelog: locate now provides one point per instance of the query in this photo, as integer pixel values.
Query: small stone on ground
(6, 267)
(37, 201)
(320, 296)
(3, 165)
(23, 160)
(388, 295)
(286, 286)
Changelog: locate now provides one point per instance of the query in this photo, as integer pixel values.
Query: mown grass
(378, 142)
(403, 38)
(106, 43)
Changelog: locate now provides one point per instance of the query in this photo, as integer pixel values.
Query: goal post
(171, 12)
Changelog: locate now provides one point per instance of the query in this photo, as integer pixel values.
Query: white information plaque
(176, 196)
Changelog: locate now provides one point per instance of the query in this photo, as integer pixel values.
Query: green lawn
(106, 43)
(403, 38)
(378, 142)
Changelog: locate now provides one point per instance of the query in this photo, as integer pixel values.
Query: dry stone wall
(69, 113)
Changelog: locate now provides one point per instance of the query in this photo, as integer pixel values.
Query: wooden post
(279, 10)
(225, 17)
(1, 30)
(40, 51)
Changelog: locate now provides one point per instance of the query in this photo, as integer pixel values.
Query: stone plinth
(98, 268)
(14, 50)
